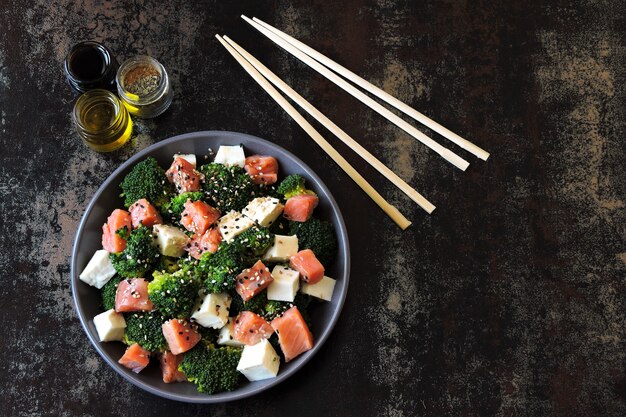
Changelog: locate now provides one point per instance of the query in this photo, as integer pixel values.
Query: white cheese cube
(170, 240)
(285, 284)
(259, 361)
(263, 210)
(110, 326)
(226, 336)
(232, 224)
(283, 248)
(213, 310)
(189, 157)
(230, 155)
(323, 289)
(99, 270)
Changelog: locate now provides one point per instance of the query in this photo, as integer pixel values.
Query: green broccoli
(256, 304)
(209, 335)
(145, 329)
(227, 187)
(253, 243)
(212, 369)
(108, 292)
(267, 190)
(218, 270)
(274, 309)
(173, 209)
(317, 235)
(146, 180)
(140, 254)
(167, 264)
(293, 185)
(173, 294)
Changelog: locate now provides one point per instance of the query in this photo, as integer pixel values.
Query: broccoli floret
(253, 243)
(140, 254)
(108, 292)
(146, 180)
(317, 235)
(293, 185)
(167, 264)
(218, 270)
(267, 190)
(256, 304)
(274, 309)
(212, 369)
(227, 187)
(173, 209)
(174, 295)
(209, 335)
(145, 329)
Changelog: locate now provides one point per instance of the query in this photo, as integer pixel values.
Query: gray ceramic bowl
(106, 199)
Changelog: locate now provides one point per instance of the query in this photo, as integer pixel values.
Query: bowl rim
(232, 395)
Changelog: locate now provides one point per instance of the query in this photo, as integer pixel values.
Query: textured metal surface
(509, 300)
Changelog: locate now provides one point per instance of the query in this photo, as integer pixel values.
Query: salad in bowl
(210, 270)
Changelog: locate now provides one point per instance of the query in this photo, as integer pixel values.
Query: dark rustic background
(508, 301)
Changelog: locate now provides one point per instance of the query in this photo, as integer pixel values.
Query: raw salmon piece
(111, 242)
(144, 213)
(132, 295)
(135, 358)
(253, 280)
(294, 335)
(305, 262)
(184, 176)
(263, 169)
(180, 335)
(208, 242)
(198, 216)
(169, 367)
(299, 208)
(250, 328)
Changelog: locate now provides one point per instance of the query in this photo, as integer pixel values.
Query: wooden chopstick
(383, 95)
(447, 154)
(391, 210)
(320, 117)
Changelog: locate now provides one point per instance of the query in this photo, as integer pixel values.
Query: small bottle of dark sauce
(90, 65)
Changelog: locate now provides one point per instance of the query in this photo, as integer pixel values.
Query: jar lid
(89, 65)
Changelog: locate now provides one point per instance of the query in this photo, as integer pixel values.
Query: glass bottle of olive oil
(102, 121)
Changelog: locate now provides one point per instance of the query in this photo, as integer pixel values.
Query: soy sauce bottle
(90, 65)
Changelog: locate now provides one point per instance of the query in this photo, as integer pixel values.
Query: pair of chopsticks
(262, 74)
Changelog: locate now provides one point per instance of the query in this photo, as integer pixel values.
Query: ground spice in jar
(143, 86)
(142, 80)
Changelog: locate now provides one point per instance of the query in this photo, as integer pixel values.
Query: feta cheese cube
(110, 325)
(230, 155)
(285, 284)
(263, 210)
(99, 270)
(189, 157)
(283, 248)
(226, 336)
(170, 240)
(259, 361)
(232, 224)
(213, 310)
(323, 289)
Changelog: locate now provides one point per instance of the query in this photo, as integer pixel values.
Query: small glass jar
(102, 121)
(144, 87)
(90, 65)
